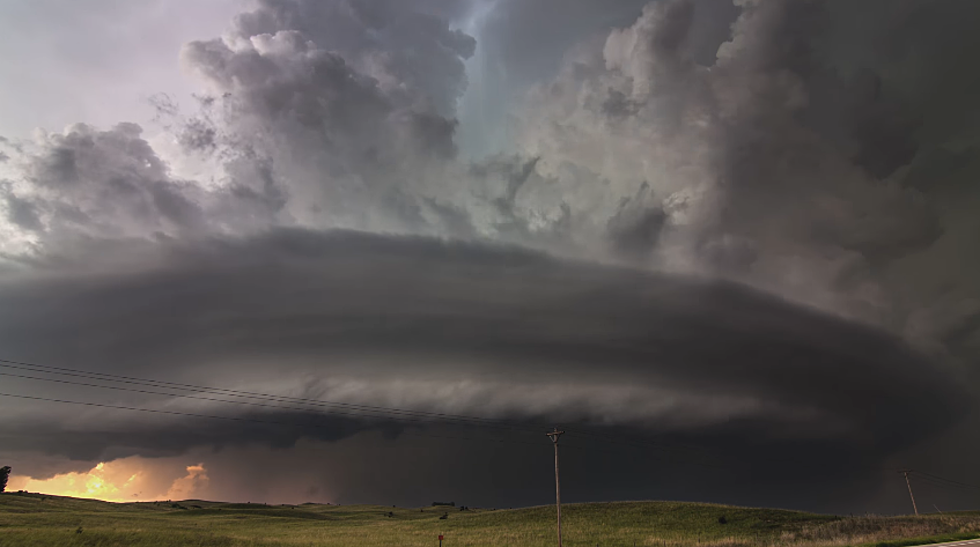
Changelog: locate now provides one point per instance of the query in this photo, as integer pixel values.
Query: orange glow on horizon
(124, 480)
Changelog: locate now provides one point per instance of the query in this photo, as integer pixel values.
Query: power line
(930, 478)
(661, 455)
(940, 484)
(662, 448)
(934, 479)
(308, 412)
(293, 424)
(326, 407)
(100, 376)
(390, 411)
(305, 410)
(667, 452)
(941, 481)
(365, 410)
(290, 424)
(233, 418)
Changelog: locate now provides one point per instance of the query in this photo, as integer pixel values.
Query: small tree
(4, 473)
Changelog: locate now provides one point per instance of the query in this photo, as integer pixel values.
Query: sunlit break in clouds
(369, 251)
(122, 480)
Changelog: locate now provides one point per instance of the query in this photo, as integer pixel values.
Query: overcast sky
(730, 247)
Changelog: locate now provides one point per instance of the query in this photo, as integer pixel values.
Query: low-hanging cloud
(411, 322)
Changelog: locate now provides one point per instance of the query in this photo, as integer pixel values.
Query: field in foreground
(42, 520)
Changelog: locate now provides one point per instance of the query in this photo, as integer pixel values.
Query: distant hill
(43, 520)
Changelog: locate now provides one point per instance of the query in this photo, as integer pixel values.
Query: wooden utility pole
(909, 484)
(554, 439)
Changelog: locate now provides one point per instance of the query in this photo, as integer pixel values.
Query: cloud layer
(427, 325)
(745, 225)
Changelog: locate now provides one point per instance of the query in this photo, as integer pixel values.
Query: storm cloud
(455, 328)
(735, 232)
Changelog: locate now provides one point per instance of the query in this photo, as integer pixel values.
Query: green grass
(42, 520)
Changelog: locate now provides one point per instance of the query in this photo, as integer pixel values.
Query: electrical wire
(307, 412)
(325, 408)
(61, 371)
(232, 418)
(386, 411)
(941, 481)
(304, 410)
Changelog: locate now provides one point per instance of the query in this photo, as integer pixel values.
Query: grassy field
(42, 520)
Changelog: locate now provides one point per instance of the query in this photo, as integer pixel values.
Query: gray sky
(96, 62)
(741, 234)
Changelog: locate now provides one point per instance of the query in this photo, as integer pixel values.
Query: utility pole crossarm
(555, 434)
